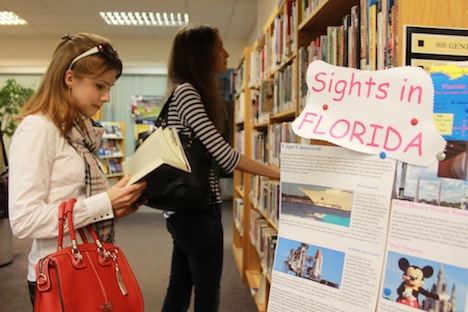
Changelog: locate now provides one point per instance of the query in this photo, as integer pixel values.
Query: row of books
(366, 39)
(263, 237)
(262, 101)
(238, 78)
(259, 146)
(109, 148)
(238, 214)
(266, 145)
(279, 45)
(265, 197)
(283, 36)
(307, 7)
(239, 107)
(240, 146)
(277, 134)
(274, 96)
(112, 166)
(112, 131)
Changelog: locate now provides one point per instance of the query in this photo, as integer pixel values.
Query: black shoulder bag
(177, 190)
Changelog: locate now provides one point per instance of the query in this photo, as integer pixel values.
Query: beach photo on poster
(319, 203)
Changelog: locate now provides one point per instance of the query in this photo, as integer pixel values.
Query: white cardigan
(45, 170)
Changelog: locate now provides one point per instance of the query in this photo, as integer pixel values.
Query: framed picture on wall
(147, 106)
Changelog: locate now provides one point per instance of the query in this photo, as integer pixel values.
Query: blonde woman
(53, 152)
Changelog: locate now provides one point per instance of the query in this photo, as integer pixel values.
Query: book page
(333, 225)
(172, 135)
(159, 148)
(428, 228)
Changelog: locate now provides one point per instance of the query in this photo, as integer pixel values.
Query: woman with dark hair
(196, 58)
(53, 152)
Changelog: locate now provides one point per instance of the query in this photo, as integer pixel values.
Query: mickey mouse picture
(413, 280)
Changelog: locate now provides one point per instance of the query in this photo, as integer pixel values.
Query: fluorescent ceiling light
(144, 19)
(10, 18)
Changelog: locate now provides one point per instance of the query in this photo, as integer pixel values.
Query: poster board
(357, 221)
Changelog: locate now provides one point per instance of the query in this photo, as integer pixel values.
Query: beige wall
(265, 9)
(32, 55)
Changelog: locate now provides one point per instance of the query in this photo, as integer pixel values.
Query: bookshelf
(241, 181)
(112, 150)
(297, 32)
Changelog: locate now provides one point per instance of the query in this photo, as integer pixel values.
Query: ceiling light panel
(10, 18)
(145, 19)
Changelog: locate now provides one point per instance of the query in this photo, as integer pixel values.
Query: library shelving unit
(241, 181)
(265, 97)
(112, 150)
(270, 91)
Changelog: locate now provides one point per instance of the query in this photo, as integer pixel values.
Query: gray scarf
(86, 142)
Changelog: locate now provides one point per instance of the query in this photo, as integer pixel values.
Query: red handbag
(85, 277)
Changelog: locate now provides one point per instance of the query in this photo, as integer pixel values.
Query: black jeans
(32, 292)
(197, 261)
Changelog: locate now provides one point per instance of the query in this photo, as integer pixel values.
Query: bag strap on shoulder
(162, 118)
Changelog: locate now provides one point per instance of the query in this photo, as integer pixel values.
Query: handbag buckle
(76, 252)
(42, 271)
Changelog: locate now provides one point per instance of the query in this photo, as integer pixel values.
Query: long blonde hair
(52, 96)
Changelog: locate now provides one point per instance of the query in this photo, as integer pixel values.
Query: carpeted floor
(147, 245)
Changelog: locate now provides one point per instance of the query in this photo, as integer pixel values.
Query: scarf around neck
(86, 142)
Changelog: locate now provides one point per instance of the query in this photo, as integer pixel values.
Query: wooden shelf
(311, 27)
(256, 282)
(237, 253)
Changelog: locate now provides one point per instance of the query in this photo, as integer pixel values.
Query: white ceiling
(235, 19)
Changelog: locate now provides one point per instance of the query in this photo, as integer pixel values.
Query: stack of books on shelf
(268, 256)
(115, 167)
(239, 215)
(109, 148)
(263, 238)
(112, 131)
(366, 39)
(277, 134)
(259, 146)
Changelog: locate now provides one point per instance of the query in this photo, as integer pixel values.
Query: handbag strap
(5, 158)
(162, 118)
(61, 219)
(66, 213)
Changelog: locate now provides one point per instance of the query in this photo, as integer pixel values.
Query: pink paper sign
(387, 113)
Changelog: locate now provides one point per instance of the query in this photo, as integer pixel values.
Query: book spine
(372, 28)
(363, 33)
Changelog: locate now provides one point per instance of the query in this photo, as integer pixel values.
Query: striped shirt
(187, 113)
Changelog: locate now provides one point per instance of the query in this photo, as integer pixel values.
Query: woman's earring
(69, 90)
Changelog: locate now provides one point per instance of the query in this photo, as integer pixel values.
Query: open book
(161, 149)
